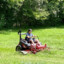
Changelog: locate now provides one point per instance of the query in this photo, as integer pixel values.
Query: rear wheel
(18, 48)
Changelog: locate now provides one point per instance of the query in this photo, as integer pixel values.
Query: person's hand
(34, 36)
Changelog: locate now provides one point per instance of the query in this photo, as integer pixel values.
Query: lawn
(53, 37)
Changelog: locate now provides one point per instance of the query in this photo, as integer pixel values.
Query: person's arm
(34, 36)
(30, 36)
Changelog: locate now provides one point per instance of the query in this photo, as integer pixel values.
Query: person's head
(29, 31)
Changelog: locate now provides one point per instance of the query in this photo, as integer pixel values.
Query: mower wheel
(18, 48)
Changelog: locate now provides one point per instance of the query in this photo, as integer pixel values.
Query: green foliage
(2, 21)
(31, 12)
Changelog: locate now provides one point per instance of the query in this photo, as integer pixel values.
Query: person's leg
(37, 41)
(31, 41)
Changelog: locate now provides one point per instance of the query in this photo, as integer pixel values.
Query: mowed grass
(53, 37)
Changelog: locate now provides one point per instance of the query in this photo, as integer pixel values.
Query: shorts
(28, 39)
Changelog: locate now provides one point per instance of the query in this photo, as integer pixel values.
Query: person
(31, 38)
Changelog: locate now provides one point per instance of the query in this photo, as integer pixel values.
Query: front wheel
(18, 48)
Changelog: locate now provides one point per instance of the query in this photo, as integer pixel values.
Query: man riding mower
(29, 43)
(31, 38)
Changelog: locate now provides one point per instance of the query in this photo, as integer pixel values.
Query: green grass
(53, 37)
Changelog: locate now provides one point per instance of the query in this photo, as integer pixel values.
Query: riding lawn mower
(26, 47)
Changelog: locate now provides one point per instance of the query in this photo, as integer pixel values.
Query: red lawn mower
(26, 47)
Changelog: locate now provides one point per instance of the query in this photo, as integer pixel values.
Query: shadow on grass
(24, 29)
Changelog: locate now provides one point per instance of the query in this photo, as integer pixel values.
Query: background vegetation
(15, 13)
(36, 14)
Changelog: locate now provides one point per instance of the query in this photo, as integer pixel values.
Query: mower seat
(23, 41)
